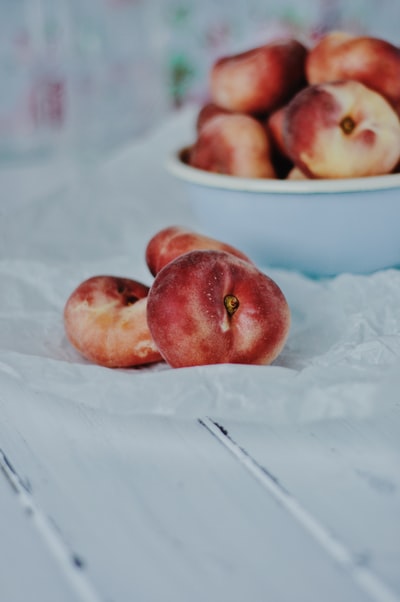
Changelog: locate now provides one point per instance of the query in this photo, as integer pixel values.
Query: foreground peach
(369, 60)
(210, 307)
(105, 320)
(233, 144)
(340, 130)
(260, 79)
(171, 242)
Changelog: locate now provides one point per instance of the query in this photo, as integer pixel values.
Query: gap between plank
(366, 580)
(70, 563)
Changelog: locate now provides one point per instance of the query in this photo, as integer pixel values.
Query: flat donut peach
(171, 242)
(105, 320)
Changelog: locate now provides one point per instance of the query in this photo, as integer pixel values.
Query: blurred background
(84, 75)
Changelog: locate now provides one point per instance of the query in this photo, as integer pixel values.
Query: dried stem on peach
(347, 124)
(231, 304)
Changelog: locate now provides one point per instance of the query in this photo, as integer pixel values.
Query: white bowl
(318, 227)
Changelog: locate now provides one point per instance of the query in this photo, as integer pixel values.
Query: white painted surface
(28, 568)
(157, 508)
(341, 481)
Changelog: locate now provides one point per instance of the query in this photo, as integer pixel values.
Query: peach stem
(347, 124)
(231, 304)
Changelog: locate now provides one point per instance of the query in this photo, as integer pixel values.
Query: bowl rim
(178, 167)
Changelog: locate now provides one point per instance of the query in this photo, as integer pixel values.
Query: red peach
(206, 112)
(105, 320)
(369, 60)
(279, 155)
(341, 130)
(210, 307)
(173, 241)
(296, 174)
(236, 145)
(274, 124)
(260, 79)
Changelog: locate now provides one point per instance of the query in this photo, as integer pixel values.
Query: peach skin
(261, 79)
(236, 145)
(171, 242)
(369, 60)
(342, 130)
(105, 320)
(210, 307)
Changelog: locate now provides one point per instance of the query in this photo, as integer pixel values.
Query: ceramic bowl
(317, 227)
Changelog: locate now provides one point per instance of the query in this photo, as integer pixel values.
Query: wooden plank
(156, 508)
(345, 474)
(30, 569)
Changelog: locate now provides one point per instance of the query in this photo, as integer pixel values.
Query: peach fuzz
(236, 145)
(369, 60)
(105, 320)
(341, 130)
(261, 79)
(210, 307)
(171, 242)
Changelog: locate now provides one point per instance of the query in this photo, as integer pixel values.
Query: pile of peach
(208, 304)
(285, 110)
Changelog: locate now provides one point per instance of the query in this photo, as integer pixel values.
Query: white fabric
(63, 222)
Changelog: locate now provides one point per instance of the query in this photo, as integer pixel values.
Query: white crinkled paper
(342, 356)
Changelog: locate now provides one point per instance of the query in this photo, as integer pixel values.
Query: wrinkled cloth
(68, 220)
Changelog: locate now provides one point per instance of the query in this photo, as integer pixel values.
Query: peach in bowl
(320, 227)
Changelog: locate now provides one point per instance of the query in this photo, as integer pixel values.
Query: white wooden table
(98, 507)
(279, 484)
